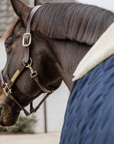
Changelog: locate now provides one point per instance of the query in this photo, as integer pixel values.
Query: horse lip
(1, 121)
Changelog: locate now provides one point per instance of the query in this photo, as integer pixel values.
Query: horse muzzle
(8, 114)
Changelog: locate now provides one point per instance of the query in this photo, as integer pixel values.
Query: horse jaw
(38, 2)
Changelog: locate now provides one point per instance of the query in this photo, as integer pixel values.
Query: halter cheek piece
(26, 63)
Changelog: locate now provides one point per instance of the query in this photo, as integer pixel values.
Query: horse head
(25, 89)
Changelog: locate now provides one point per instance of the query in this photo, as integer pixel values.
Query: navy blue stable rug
(89, 117)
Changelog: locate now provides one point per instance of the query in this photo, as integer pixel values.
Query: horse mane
(74, 21)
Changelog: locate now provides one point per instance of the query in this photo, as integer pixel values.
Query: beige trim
(101, 50)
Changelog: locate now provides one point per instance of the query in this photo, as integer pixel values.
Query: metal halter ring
(29, 63)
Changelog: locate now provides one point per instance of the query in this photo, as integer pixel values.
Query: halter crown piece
(26, 63)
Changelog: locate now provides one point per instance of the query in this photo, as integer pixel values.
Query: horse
(58, 36)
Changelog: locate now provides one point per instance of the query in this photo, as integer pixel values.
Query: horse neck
(68, 54)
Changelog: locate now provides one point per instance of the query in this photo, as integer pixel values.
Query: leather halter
(26, 63)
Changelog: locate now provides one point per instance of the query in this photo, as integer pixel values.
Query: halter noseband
(26, 63)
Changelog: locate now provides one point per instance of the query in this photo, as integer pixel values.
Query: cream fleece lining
(100, 51)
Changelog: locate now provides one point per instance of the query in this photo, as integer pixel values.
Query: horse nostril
(1, 109)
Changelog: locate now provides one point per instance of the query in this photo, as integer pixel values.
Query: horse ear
(38, 2)
(21, 9)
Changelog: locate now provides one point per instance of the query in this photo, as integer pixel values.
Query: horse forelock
(74, 21)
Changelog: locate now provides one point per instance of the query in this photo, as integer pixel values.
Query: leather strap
(27, 36)
(36, 79)
(32, 110)
(24, 110)
(15, 76)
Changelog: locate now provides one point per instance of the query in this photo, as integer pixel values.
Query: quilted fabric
(89, 117)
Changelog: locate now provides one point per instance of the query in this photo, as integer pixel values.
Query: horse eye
(7, 47)
(8, 43)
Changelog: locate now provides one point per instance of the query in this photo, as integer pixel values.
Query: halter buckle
(24, 43)
(7, 90)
